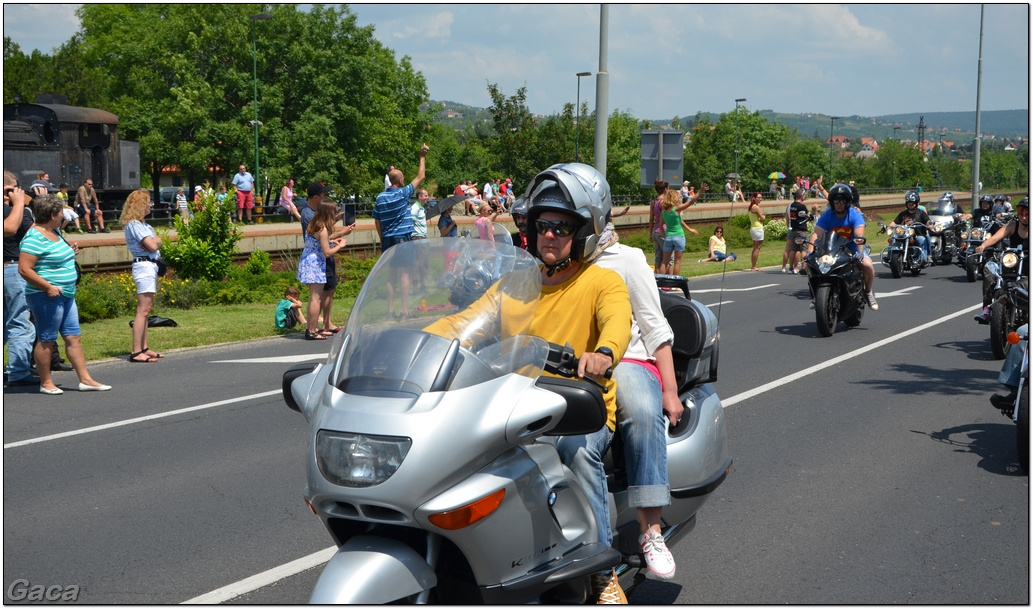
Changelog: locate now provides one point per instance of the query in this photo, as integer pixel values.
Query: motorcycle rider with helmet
(844, 218)
(911, 215)
(519, 213)
(1016, 232)
(984, 210)
(585, 306)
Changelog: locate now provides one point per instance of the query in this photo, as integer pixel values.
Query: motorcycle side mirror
(288, 379)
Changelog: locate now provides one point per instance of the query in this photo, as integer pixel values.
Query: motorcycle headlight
(977, 233)
(898, 231)
(964, 234)
(825, 263)
(358, 461)
(910, 232)
(1009, 260)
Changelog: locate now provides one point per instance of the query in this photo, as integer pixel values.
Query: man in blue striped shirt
(393, 218)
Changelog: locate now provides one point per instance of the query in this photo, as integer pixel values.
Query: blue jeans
(584, 456)
(54, 316)
(640, 415)
(1011, 369)
(721, 256)
(19, 333)
(923, 242)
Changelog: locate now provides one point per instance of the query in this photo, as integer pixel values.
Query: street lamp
(577, 128)
(737, 143)
(254, 56)
(832, 131)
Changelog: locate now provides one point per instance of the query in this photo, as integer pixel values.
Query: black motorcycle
(1009, 308)
(969, 259)
(836, 283)
(943, 237)
(903, 252)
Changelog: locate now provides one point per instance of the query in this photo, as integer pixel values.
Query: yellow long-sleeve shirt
(590, 310)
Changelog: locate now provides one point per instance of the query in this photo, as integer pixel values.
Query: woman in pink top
(287, 199)
(484, 223)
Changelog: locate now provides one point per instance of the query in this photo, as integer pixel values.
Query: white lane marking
(842, 358)
(718, 304)
(903, 292)
(707, 291)
(283, 359)
(263, 579)
(160, 415)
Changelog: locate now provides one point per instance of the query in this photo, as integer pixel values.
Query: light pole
(737, 143)
(254, 67)
(832, 131)
(577, 126)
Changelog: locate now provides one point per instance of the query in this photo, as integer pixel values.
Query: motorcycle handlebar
(563, 362)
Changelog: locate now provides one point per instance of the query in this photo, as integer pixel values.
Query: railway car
(72, 144)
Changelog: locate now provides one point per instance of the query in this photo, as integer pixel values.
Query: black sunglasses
(559, 228)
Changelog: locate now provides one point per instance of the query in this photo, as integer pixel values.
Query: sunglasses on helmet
(559, 228)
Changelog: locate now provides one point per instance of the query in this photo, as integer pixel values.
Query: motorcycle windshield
(441, 314)
(943, 208)
(832, 243)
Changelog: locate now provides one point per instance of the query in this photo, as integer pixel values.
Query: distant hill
(958, 127)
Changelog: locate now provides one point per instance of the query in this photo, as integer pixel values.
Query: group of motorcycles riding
(957, 237)
(429, 461)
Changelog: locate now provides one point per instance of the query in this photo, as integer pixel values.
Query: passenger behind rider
(586, 306)
(844, 218)
(911, 215)
(1016, 232)
(647, 389)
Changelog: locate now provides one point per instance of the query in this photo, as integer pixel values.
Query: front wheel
(1022, 431)
(896, 263)
(855, 320)
(971, 267)
(999, 329)
(826, 309)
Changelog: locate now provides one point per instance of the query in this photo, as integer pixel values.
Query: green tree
(334, 103)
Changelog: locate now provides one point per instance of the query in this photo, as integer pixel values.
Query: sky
(667, 60)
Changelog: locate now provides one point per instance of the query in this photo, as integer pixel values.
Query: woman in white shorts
(143, 246)
(756, 228)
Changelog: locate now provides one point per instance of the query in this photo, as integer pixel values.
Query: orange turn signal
(468, 514)
(1013, 338)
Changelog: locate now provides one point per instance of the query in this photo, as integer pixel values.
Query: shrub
(740, 221)
(776, 230)
(205, 247)
(105, 296)
(259, 263)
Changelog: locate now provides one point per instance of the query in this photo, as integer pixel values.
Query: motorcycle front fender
(372, 570)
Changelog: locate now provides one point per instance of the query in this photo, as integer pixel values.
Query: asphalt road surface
(870, 467)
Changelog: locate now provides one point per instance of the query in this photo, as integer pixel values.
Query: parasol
(776, 175)
(443, 205)
(733, 175)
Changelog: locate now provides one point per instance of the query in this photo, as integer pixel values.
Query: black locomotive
(72, 144)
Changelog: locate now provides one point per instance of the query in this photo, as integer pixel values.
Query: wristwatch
(605, 351)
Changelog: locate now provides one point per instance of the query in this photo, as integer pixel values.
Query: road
(869, 468)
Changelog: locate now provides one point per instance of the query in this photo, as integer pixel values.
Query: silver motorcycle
(430, 462)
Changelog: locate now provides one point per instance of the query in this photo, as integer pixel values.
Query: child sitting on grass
(288, 312)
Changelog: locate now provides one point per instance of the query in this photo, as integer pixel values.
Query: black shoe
(1004, 402)
(93, 230)
(29, 381)
(61, 367)
(105, 230)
